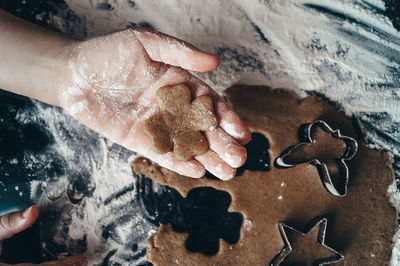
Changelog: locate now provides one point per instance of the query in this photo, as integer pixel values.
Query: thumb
(16, 222)
(172, 51)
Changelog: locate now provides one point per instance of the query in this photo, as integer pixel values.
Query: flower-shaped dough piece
(179, 124)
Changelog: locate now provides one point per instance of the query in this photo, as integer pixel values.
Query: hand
(112, 89)
(109, 83)
(13, 223)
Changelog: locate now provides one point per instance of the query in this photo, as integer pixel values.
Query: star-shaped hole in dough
(179, 124)
(306, 248)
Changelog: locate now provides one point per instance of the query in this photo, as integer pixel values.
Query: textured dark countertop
(50, 159)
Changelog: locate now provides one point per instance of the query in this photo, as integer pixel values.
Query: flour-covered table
(89, 201)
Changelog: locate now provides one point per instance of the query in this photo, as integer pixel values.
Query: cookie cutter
(351, 150)
(322, 224)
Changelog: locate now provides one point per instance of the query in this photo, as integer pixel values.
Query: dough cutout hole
(258, 158)
(203, 214)
(206, 219)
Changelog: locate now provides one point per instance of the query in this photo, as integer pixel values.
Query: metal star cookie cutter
(324, 173)
(322, 224)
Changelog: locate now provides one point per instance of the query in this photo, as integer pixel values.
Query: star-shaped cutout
(306, 248)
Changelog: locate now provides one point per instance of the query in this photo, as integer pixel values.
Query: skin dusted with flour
(109, 82)
(119, 94)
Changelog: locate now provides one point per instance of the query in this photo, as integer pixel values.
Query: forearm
(33, 60)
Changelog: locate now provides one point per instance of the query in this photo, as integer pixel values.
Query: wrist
(58, 76)
(34, 61)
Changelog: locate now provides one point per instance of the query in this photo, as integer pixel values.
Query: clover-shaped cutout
(179, 124)
(203, 213)
(206, 219)
(328, 150)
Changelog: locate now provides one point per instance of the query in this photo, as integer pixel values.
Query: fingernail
(26, 212)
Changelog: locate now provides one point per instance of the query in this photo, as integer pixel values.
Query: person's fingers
(170, 50)
(228, 120)
(233, 125)
(226, 147)
(190, 168)
(215, 165)
(16, 222)
(139, 141)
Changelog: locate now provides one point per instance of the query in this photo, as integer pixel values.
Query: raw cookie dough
(325, 148)
(180, 121)
(301, 248)
(361, 225)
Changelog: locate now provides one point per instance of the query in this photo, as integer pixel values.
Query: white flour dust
(347, 51)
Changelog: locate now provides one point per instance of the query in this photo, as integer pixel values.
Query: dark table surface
(50, 159)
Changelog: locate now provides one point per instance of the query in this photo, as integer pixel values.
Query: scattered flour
(78, 107)
(352, 62)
